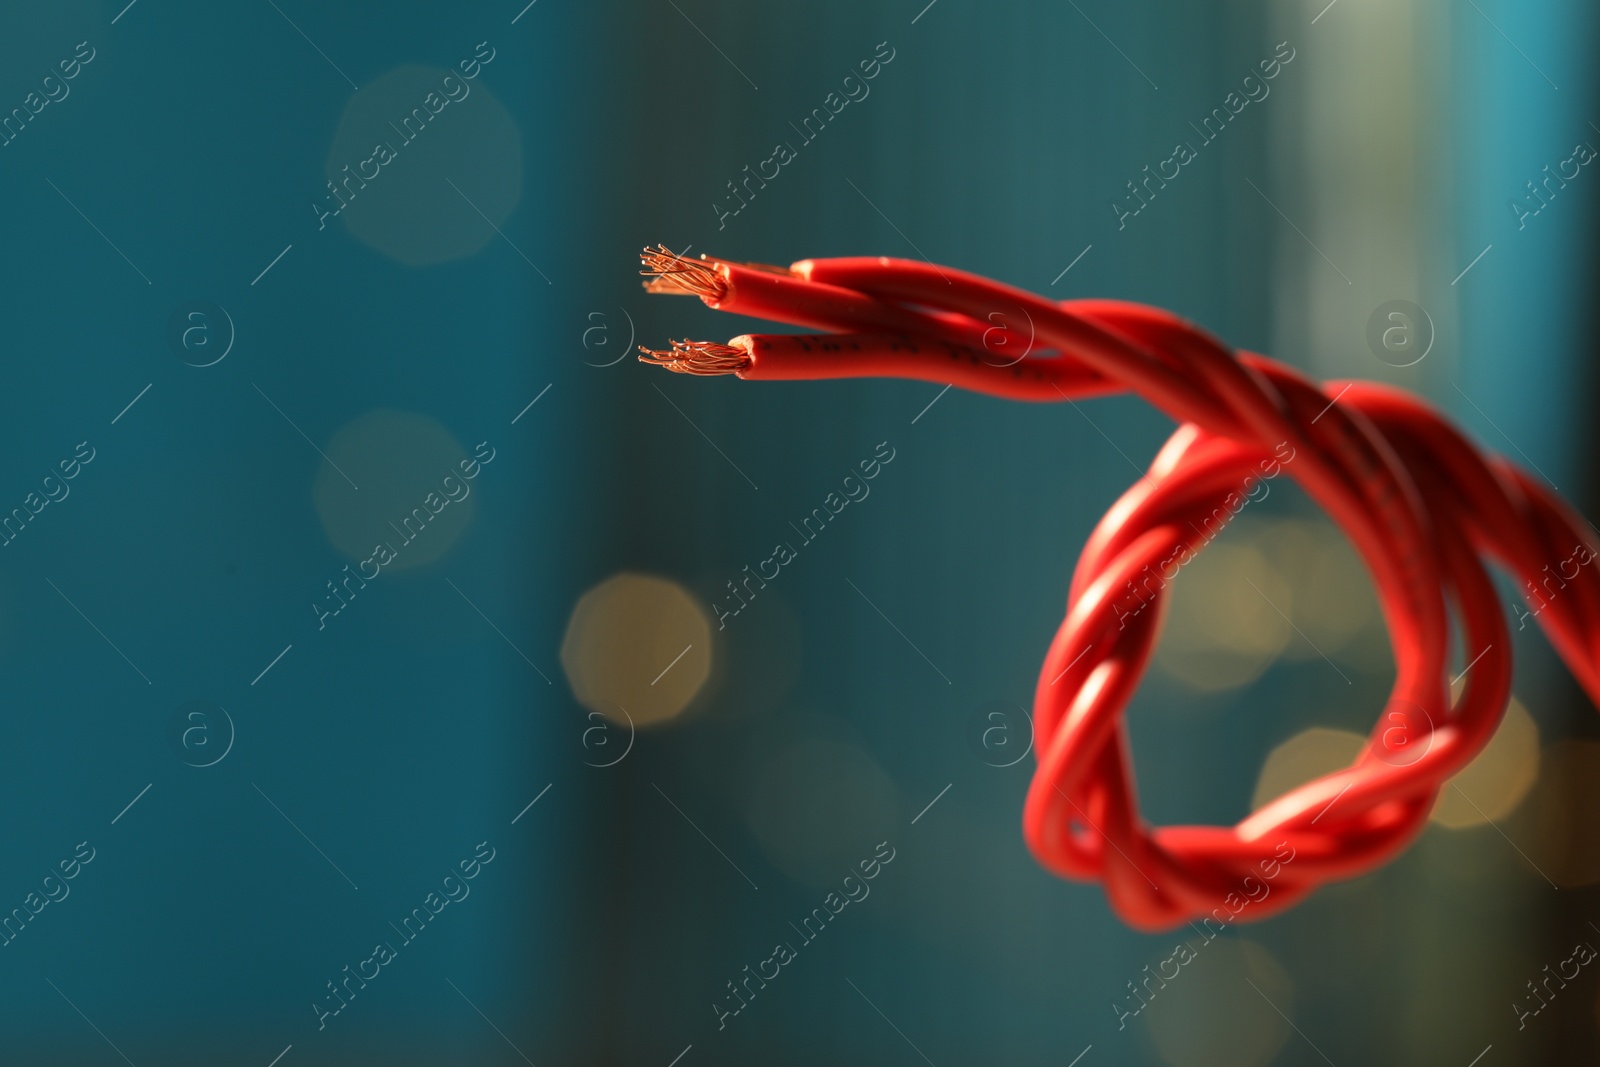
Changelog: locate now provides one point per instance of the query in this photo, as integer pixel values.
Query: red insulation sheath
(1424, 507)
(800, 357)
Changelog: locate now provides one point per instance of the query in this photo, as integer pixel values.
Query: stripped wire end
(697, 357)
(673, 275)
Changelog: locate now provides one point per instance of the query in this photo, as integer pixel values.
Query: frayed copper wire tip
(697, 357)
(672, 274)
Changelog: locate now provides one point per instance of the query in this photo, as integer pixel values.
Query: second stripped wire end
(697, 357)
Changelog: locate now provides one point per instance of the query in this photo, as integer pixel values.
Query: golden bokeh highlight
(637, 649)
(1225, 619)
(1212, 1018)
(1498, 778)
(1331, 591)
(819, 806)
(414, 497)
(1307, 755)
(426, 164)
(1560, 822)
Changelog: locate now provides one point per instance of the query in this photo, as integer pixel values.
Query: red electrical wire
(1422, 505)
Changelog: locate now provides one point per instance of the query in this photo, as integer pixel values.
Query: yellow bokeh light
(820, 805)
(637, 649)
(1307, 755)
(417, 488)
(1494, 783)
(1212, 1018)
(425, 165)
(1226, 620)
(1333, 599)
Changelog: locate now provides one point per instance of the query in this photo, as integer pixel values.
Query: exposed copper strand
(667, 285)
(697, 357)
(671, 273)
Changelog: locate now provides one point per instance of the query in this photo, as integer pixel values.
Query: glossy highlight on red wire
(1424, 507)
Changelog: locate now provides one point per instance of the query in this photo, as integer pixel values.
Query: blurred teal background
(358, 740)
